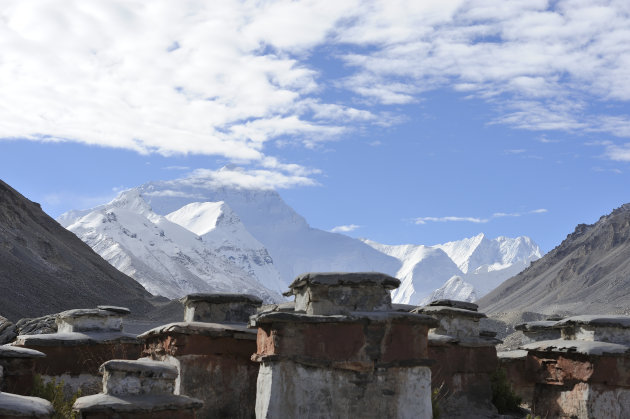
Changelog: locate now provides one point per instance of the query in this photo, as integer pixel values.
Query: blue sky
(399, 121)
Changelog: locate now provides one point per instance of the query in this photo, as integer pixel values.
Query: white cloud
(345, 228)
(424, 220)
(540, 62)
(618, 152)
(477, 220)
(226, 78)
(238, 177)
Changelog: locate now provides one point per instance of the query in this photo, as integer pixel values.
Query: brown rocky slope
(44, 268)
(589, 272)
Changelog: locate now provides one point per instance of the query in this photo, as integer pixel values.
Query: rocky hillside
(589, 272)
(44, 268)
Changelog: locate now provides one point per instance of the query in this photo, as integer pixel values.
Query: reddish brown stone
(405, 341)
(562, 369)
(84, 359)
(17, 375)
(463, 372)
(521, 374)
(216, 370)
(345, 343)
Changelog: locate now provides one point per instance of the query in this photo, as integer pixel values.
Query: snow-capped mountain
(171, 260)
(267, 230)
(479, 262)
(455, 289)
(191, 235)
(223, 232)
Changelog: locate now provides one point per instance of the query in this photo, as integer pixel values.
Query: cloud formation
(344, 228)
(226, 78)
(477, 220)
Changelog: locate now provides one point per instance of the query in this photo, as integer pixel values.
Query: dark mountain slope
(44, 268)
(589, 272)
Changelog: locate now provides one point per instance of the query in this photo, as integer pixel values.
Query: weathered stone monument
(141, 389)
(16, 375)
(17, 368)
(465, 359)
(212, 351)
(342, 352)
(586, 373)
(85, 339)
(518, 367)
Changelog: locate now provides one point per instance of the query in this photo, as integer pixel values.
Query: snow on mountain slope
(481, 262)
(166, 258)
(293, 245)
(454, 289)
(223, 232)
(423, 270)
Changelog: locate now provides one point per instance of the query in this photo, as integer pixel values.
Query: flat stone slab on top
(448, 310)
(541, 325)
(221, 298)
(622, 322)
(75, 338)
(236, 331)
(33, 407)
(344, 278)
(464, 305)
(578, 347)
(10, 351)
(354, 317)
(115, 309)
(145, 403)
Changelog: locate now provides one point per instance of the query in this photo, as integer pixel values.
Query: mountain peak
(586, 273)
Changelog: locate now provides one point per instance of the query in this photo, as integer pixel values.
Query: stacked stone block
(140, 389)
(16, 376)
(586, 373)
(85, 339)
(212, 351)
(342, 352)
(465, 359)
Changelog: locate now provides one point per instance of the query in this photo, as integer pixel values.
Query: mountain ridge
(44, 268)
(587, 273)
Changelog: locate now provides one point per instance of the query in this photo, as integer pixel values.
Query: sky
(398, 121)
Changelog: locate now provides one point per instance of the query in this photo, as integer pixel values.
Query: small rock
(38, 325)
